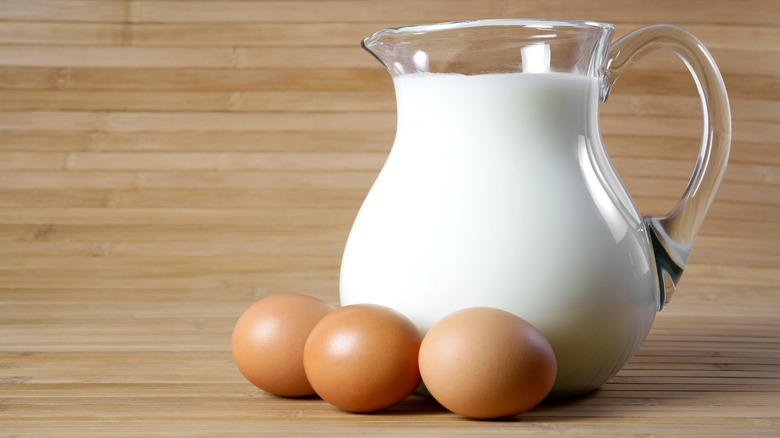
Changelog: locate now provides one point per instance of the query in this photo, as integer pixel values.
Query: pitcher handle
(672, 235)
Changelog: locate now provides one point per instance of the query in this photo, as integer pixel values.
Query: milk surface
(497, 192)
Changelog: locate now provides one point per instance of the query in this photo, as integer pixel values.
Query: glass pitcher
(498, 190)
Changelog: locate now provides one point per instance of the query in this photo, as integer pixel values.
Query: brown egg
(363, 357)
(268, 342)
(486, 363)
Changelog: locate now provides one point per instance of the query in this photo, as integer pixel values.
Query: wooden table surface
(164, 164)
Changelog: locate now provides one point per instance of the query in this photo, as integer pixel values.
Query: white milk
(497, 192)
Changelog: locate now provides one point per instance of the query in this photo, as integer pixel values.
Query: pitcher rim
(491, 22)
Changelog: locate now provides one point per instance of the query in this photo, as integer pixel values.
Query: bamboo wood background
(164, 164)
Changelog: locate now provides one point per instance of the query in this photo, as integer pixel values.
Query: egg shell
(363, 357)
(486, 363)
(268, 341)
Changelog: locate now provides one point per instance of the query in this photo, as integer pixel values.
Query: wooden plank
(311, 34)
(71, 10)
(41, 180)
(721, 36)
(644, 147)
(157, 216)
(317, 122)
(159, 233)
(208, 162)
(368, 79)
(207, 78)
(318, 101)
(234, 101)
(197, 121)
(398, 12)
(729, 61)
(764, 175)
(194, 35)
(768, 175)
(403, 11)
(182, 57)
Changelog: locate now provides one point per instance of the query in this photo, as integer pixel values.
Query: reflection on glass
(536, 58)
